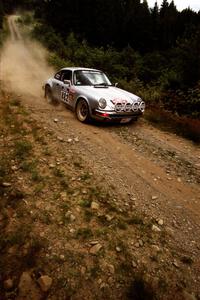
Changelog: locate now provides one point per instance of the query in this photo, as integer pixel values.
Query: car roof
(79, 68)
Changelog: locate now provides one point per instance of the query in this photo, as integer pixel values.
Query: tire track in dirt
(14, 33)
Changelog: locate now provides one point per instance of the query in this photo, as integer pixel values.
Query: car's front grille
(129, 107)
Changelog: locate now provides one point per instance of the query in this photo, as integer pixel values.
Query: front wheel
(82, 111)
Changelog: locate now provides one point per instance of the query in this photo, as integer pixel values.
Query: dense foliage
(120, 23)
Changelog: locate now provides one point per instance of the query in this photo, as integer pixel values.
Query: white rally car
(91, 95)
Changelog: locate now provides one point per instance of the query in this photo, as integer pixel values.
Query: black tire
(82, 111)
(49, 96)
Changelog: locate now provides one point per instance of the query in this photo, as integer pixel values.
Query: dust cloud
(23, 65)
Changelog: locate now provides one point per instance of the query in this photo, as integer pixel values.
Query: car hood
(108, 93)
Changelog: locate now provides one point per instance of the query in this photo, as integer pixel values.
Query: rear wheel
(82, 111)
(49, 96)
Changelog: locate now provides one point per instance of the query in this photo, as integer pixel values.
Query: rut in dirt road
(15, 34)
(23, 63)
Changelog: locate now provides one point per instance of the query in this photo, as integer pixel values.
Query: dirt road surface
(157, 172)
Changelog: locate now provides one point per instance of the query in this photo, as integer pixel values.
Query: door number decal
(65, 96)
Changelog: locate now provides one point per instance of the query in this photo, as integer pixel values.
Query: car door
(65, 88)
(56, 85)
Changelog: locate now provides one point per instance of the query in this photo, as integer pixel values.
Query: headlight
(142, 106)
(102, 103)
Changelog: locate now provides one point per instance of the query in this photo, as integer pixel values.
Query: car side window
(80, 78)
(66, 75)
(58, 76)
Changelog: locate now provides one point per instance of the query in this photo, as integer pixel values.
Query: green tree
(187, 60)
(168, 24)
(155, 20)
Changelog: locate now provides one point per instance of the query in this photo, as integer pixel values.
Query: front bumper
(115, 116)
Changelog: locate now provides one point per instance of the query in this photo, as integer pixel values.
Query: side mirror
(116, 84)
(67, 82)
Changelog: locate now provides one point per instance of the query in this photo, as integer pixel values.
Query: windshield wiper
(101, 85)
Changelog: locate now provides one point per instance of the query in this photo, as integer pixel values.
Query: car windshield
(90, 77)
